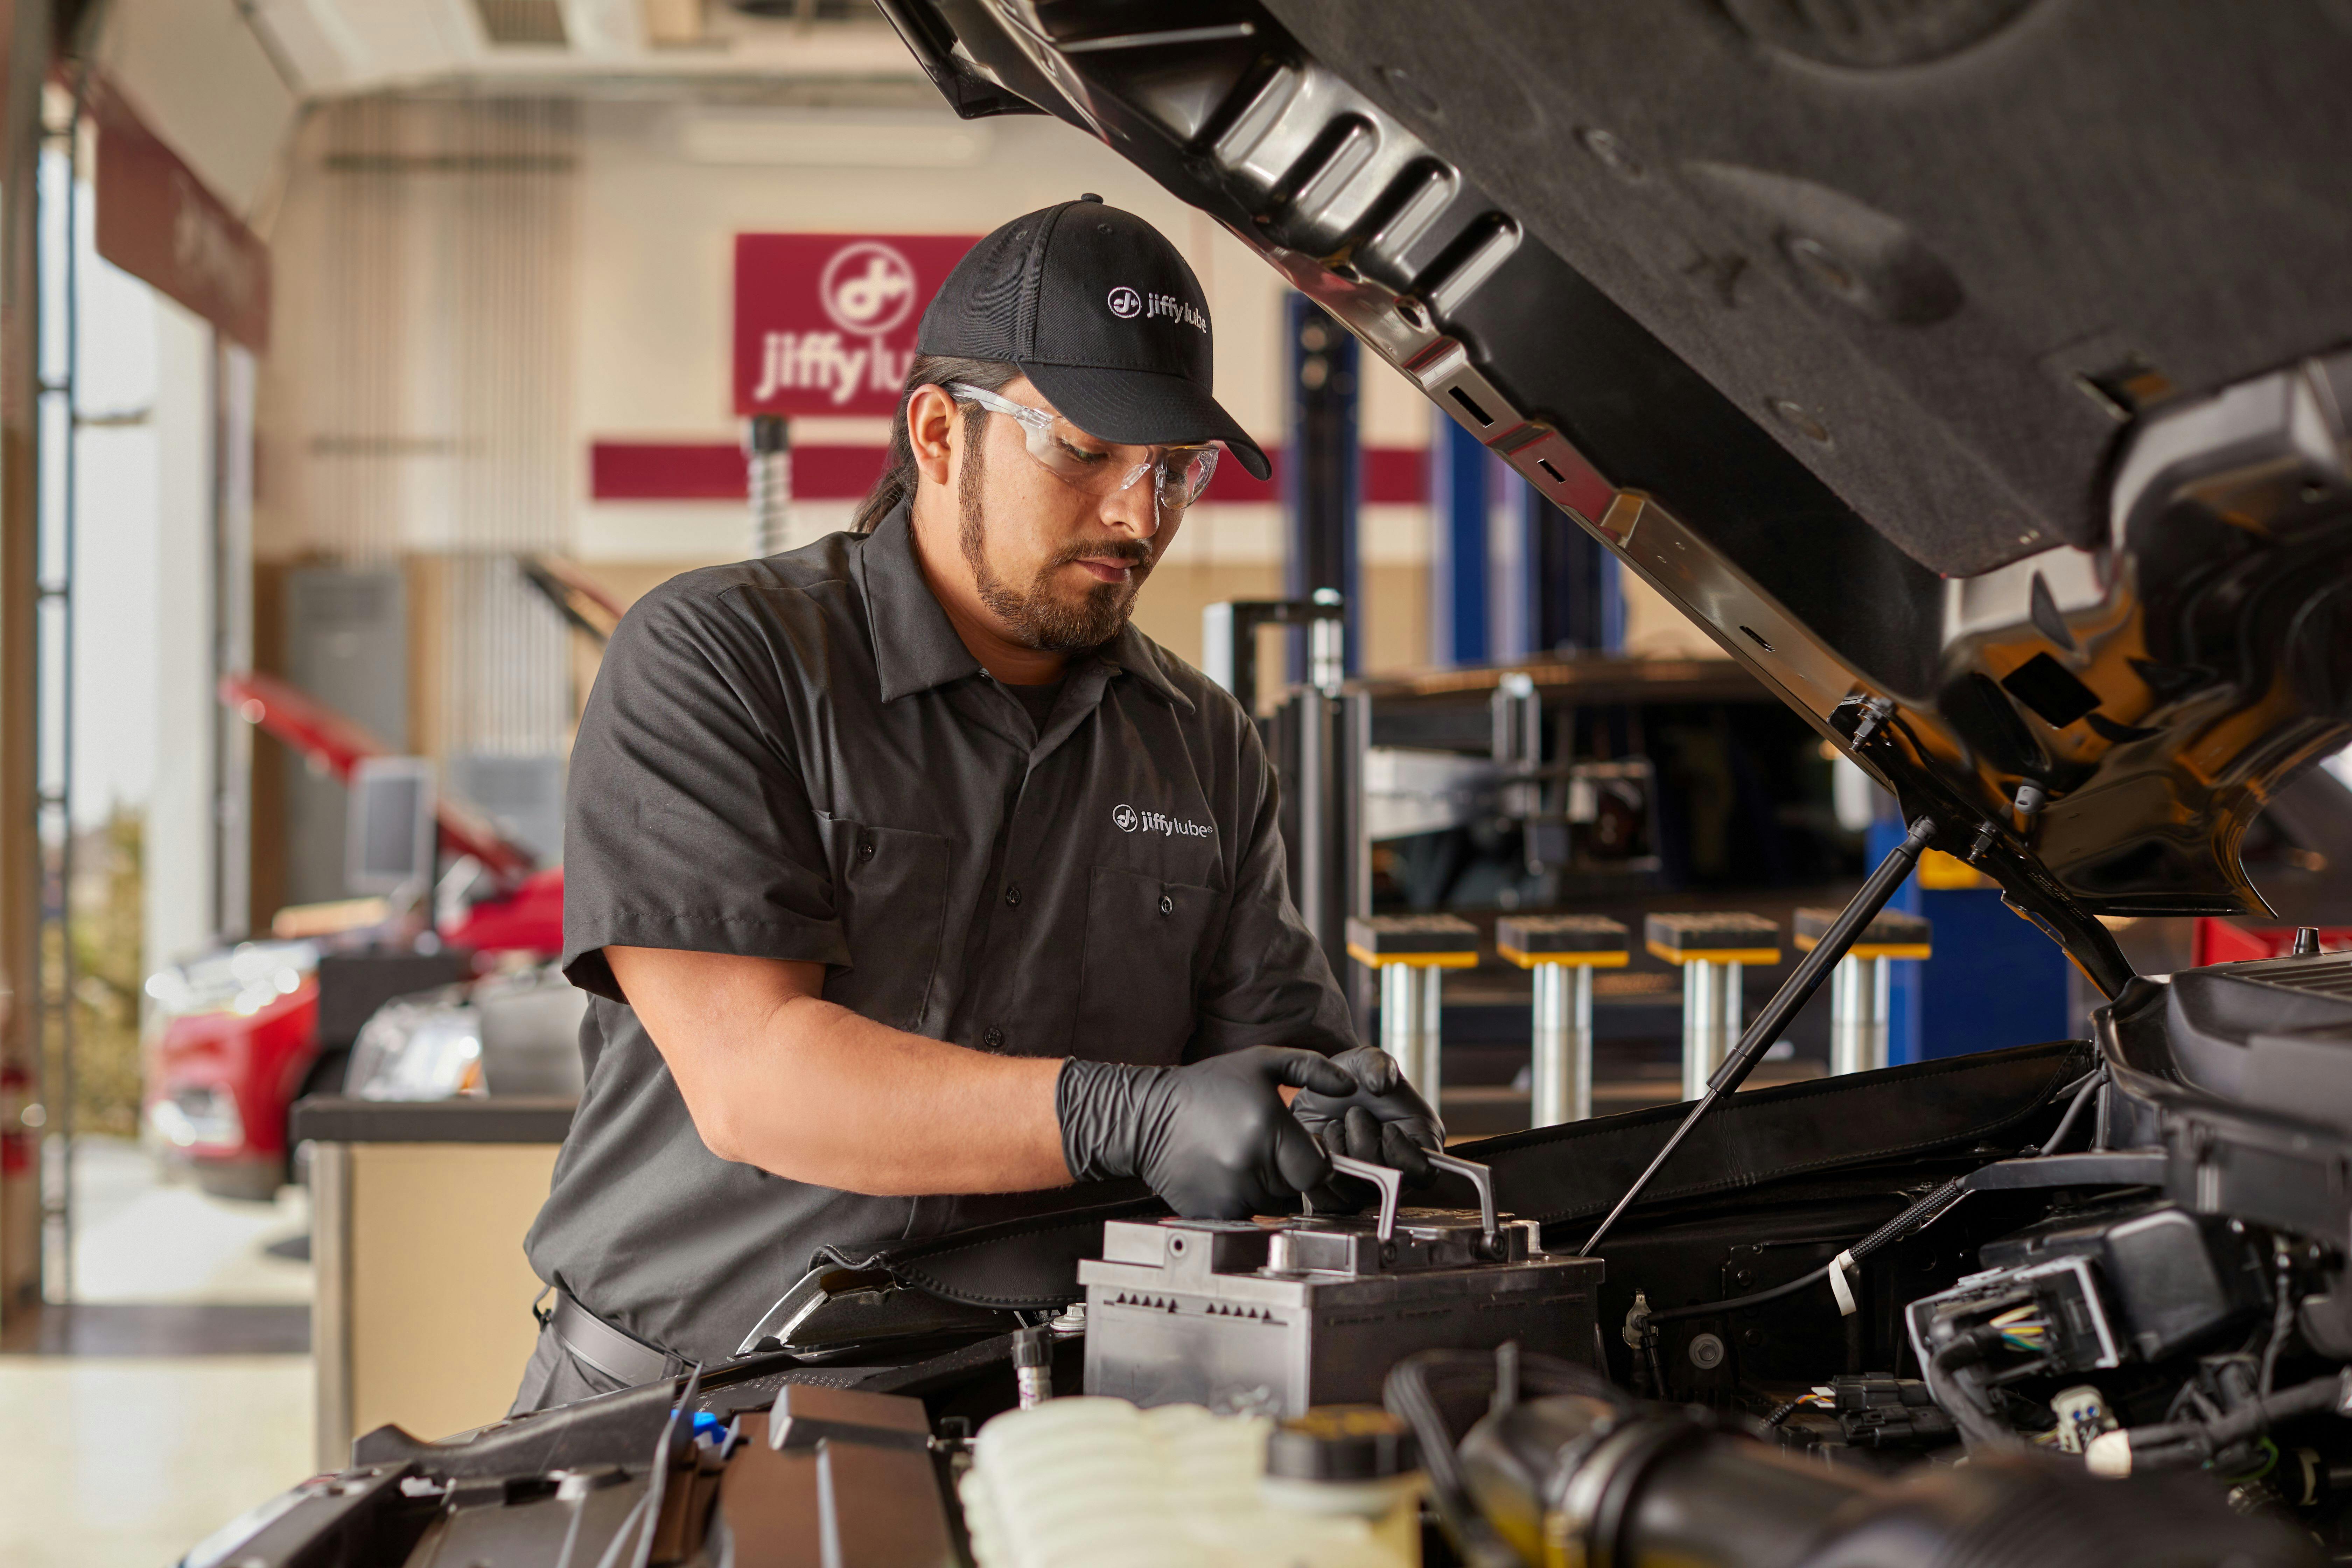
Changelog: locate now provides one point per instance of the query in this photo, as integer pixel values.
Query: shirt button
(993, 1039)
(1012, 897)
(865, 850)
(1167, 905)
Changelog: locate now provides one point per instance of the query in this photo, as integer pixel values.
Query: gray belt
(618, 1354)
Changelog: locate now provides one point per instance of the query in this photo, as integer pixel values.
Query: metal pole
(1579, 1042)
(1859, 997)
(1849, 1049)
(1563, 1071)
(768, 481)
(1881, 1009)
(1326, 643)
(1356, 736)
(1401, 1018)
(1702, 1025)
(1549, 1070)
(1316, 804)
(53, 1005)
(1431, 1081)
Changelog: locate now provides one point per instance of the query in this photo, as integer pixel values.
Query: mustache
(1125, 552)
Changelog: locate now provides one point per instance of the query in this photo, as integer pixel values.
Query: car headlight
(205, 1114)
(426, 1049)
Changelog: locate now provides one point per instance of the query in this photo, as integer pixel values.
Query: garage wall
(666, 189)
(475, 295)
(379, 395)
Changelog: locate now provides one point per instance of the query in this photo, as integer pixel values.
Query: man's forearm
(787, 1082)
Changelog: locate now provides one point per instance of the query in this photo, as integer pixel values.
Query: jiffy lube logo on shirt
(1127, 819)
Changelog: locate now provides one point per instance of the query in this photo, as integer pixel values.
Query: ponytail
(898, 481)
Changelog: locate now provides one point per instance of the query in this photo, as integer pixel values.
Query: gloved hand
(1212, 1138)
(1382, 1118)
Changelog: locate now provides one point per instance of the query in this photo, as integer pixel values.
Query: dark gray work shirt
(797, 758)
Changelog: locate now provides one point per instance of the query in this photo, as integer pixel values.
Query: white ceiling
(222, 80)
(339, 47)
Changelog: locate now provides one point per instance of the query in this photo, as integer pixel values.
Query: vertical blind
(432, 361)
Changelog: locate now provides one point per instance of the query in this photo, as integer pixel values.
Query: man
(911, 880)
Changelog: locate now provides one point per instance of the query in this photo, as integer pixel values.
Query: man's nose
(1135, 508)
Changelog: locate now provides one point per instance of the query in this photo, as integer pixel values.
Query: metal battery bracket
(1391, 1183)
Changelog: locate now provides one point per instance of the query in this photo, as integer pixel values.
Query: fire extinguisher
(16, 1137)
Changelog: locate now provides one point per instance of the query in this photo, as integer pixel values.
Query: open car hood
(1974, 373)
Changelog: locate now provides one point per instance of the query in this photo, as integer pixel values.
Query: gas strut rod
(1786, 1003)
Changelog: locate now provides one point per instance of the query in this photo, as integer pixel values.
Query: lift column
(1411, 953)
(1562, 952)
(1713, 949)
(1859, 984)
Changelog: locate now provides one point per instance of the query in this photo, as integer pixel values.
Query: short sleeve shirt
(797, 758)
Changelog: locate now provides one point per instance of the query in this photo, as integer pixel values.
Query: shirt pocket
(1142, 965)
(890, 894)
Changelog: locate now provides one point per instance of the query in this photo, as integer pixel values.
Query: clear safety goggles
(1178, 474)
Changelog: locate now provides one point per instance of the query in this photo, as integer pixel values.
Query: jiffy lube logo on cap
(1127, 304)
(1127, 819)
(1156, 307)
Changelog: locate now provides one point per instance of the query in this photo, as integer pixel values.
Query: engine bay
(2090, 1291)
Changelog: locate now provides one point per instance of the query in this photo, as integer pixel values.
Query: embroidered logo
(1127, 819)
(1125, 302)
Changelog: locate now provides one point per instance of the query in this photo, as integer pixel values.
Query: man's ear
(931, 427)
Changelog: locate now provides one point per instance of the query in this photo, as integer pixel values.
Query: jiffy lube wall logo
(825, 324)
(1127, 819)
(867, 288)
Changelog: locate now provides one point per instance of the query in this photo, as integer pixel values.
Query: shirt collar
(1137, 655)
(916, 647)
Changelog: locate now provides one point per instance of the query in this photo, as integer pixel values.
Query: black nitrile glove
(1212, 1138)
(1382, 1120)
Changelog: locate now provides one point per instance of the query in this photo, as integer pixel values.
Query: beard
(1035, 617)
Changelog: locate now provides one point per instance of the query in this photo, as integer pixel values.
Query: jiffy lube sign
(825, 324)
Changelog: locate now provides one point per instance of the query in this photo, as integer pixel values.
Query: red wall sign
(825, 324)
(159, 223)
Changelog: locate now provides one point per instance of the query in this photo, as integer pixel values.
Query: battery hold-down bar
(1390, 1183)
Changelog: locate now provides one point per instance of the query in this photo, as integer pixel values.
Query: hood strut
(1794, 992)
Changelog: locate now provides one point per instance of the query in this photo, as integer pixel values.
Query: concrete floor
(126, 1462)
(130, 1460)
(141, 1239)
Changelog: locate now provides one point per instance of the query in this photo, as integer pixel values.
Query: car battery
(1276, 1316)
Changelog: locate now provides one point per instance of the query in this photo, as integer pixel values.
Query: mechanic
(910, 880)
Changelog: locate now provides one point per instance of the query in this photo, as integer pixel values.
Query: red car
(243, 1032)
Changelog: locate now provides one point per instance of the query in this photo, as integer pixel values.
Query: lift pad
(1712, 936)
(1893, 934)
(1434, 942)
(1593, 941)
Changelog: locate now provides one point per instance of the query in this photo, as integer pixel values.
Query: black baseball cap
(1102, 316)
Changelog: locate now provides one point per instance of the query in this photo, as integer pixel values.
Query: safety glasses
(1178, 474)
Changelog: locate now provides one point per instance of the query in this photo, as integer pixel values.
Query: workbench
(422, 1311)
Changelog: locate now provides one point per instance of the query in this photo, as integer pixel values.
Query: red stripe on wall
(713, 470)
